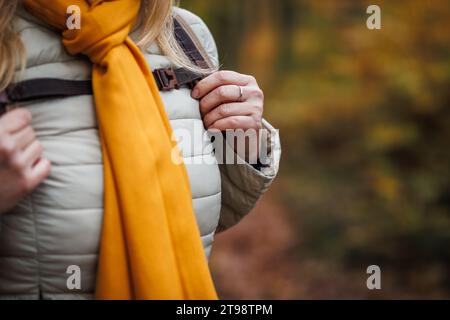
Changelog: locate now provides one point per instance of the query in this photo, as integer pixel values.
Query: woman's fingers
(236, 122)
(32, 154)
(38, 173)
(21, 151)
(23, 138)
(220, 95)
(218, 79)
(15, 120)
(229, 110)
(23, 161)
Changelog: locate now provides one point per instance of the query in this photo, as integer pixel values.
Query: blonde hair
(155, 23)
(11, 47)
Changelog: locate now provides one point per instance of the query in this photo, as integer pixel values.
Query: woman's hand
(22, 168)
(231, 101)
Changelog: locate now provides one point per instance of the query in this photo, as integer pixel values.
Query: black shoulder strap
(44, 88)
(169, 78)
(166, 78)
(188, 44)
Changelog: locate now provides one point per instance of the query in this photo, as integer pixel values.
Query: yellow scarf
(150, 246)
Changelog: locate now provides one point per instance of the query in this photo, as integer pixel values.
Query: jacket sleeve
(242, 184)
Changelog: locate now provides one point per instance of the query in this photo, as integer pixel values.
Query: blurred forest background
(364, 119)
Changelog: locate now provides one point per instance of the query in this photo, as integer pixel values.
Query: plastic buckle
(167, 79)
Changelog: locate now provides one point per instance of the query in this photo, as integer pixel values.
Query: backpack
(166, 78)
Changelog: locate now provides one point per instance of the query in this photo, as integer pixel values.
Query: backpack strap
(189, 43)
(44, 88)
(166, 78)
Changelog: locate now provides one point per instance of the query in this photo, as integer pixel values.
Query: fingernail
(195, 93)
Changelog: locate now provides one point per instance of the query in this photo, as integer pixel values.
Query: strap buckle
(166, 79)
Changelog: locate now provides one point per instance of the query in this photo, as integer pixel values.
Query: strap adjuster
(166, 79)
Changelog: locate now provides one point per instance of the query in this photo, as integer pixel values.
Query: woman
(90, 205)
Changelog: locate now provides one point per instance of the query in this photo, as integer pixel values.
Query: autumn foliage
(364, 118)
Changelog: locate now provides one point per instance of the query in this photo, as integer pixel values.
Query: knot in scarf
(105, 24)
